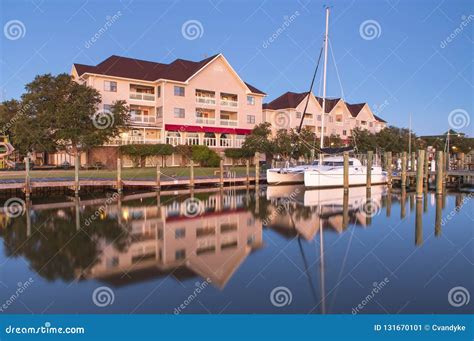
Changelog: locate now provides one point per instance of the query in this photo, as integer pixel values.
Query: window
(107, 107)
(298, 114)
(178, 112)
(250, 100)
(178, 90)
(338, 118)
(180, 254)
(319, 117)
(158, 91)
(344, 132)
(371, 124)
(110, 86)
(179, 233)
(159, 112)
(251, 119)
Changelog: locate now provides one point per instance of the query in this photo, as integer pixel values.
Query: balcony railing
(205, 120)
(142, 119)
(229, 123)
(177, 140)
(206, 100)
(229, 103)
(142, 96)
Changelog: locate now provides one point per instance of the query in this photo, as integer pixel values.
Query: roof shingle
(179, 70)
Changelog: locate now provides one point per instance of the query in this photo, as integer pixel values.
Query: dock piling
(191, 173)
(346, 172)
(221, 173)
(370, 156)
(76, 173)
(439, 173)
(404, 170)
(158, 177)
(388, 167)
(27, 177)
(419, 174)
(257, 168)
(247, 172)
(119, 175)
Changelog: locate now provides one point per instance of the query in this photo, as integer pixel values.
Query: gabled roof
(330, 103)
(286, 101)
(379, 119)
(355, 108)
(179, 70)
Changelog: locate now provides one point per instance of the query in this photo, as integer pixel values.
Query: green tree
(57, 113)
(260, 140)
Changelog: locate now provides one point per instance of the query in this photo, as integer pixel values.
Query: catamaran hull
(276, 177)
(320, 179)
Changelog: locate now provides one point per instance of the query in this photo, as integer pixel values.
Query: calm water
(286, 250)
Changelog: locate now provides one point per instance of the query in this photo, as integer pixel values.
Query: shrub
(138, 152)
(205, 156)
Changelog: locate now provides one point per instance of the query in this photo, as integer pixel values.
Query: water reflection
(130, 240)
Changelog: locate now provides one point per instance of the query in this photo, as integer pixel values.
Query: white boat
(287, 175)
(331, 174)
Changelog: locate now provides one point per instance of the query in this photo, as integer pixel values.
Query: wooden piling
(388, 162)
(346, 172)
(27, 178)
(403, 201)
(426, 169)
(404, 170)
(221, 173)
(191, 173)
(247, 172)
(370, 156)
(413, 162)
(439, 173)
(158, 177)
(257, 168)
(461, 161)
(345, 210)
(77, 163)
(419, 223)
(119, 175)
(419, 174)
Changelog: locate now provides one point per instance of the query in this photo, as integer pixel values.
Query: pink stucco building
(202, 103)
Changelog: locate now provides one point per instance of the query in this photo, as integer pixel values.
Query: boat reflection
(135, 238)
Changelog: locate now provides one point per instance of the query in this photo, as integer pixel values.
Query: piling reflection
(149, 235)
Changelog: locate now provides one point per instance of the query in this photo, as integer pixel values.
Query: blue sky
(401, 65)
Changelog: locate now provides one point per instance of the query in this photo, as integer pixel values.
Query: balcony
(229, 100)
(178, 140)
(210, 141)
(142, 119)
(228, 123)
(206, 100)
(229, 103)
(205, 97)
(205, 120)
(142, 96)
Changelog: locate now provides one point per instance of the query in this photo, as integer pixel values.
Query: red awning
(203, 129)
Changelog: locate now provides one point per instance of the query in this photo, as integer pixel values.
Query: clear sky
(393, 54)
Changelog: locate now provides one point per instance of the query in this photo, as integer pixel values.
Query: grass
(127, 173)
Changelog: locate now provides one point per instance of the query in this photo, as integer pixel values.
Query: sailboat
(330, 171)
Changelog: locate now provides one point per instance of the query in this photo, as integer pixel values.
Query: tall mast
(321, 144)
